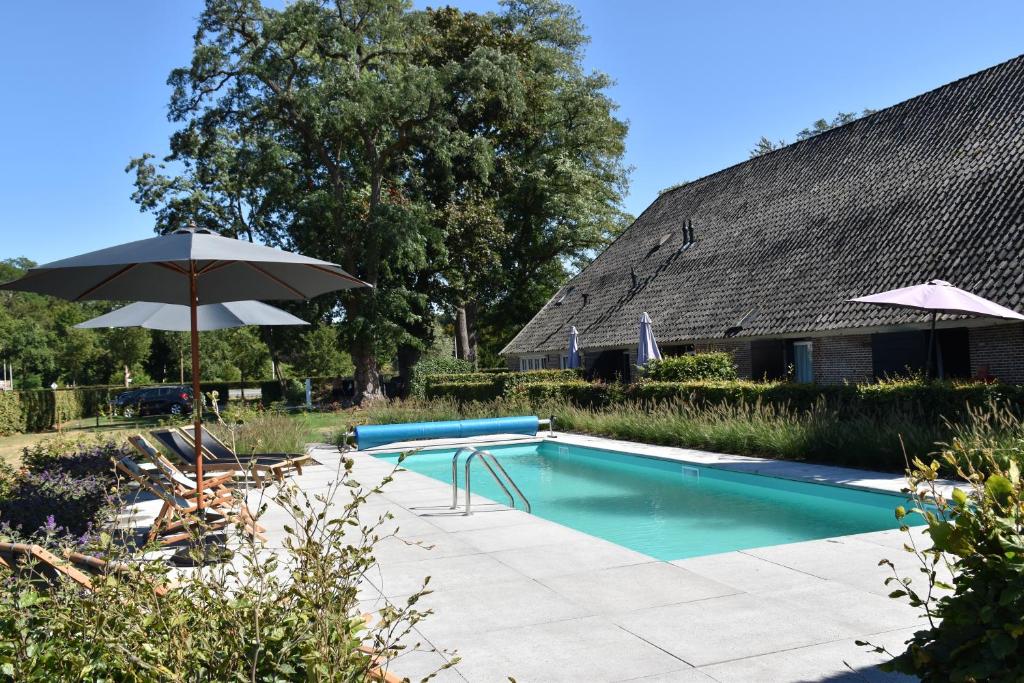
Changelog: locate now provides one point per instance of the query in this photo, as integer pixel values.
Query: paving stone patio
(517, 595)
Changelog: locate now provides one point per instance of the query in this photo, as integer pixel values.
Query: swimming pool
(667, 509)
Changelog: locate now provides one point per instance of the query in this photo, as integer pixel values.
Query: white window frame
(810, 357)
(528, 363)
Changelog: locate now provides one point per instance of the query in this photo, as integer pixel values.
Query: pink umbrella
(938, 296)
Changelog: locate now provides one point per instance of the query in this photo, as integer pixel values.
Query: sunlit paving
(511, 341)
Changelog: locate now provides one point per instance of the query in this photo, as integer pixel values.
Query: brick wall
(843, 359)
(997, 351)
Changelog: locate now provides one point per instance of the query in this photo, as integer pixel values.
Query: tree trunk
(465, 332)
(408, 356)
(471, 333)
(462, 349)
(369, 383)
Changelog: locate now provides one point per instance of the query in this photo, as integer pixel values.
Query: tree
(453, 160)
(319, 354)
(127, 348)
(764, 145)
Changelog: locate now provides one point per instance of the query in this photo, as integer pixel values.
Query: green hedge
(462, 391)
(932, 401)
(12, 420)
(504, 383)
(716, 365)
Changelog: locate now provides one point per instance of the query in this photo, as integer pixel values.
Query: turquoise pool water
(667, 509)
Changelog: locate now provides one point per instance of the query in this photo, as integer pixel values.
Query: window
(803, 362)
(563, 363)
(532, 363)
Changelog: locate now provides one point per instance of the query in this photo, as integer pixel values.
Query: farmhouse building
(760, 259)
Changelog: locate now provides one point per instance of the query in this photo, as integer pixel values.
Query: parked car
(173, 400)
(126, 404)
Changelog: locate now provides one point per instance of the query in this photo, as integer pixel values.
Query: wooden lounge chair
(180, 511)
(76, 566)
(262, 467)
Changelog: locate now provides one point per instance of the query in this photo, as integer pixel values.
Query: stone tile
(845, 559)
(446, 573)
(568, 558)
(416, 665)
(588, 649)
(487, 518)
(422, 547)
(746, 572)
(837, 661)
(526, 535)
(633, 587)
(489, 606)
(726, 628)
(680, 676)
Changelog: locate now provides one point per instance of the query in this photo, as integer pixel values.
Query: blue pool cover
(369, 436)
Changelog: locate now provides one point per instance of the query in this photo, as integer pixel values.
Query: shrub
(975, 627)
(434, 365)
(251, 430)
(292, 614)
(54, 501)
(701, 366)
(577, 393)
(12, 420)
(512, 382)
(75, 456)
(462, 391)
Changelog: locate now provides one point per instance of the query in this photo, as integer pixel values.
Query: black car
(125, 403)
(174, 400)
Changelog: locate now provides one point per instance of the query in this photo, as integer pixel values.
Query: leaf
(999, 488)
(959, 497)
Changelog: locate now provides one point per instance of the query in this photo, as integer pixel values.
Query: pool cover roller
(370, 436)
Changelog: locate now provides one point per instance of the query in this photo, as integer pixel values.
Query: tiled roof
(929, 188)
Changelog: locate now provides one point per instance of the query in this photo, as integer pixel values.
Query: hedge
(716, 365)
(463, 391)
(503, 383)
(932, 401)
(12, 421)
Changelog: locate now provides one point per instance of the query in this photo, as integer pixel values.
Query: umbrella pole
(931, 349)
(197, 397)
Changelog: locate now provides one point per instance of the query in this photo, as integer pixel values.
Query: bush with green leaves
(462, 391)
(291, 612)
(12, 420)
(716, 365)
(975, 626)
(434, 365)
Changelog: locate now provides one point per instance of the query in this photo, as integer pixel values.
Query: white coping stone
(525, 597)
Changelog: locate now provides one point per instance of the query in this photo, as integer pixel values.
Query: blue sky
(84, 90)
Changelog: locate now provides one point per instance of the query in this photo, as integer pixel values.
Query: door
(803, 362)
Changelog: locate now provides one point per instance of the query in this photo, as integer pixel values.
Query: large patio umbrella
(187, 267)
(938, 296)
(647, 349)
(177, 318)
(573, 360)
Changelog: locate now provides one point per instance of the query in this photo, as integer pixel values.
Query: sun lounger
(75, 566)
(180, 511)
(216, 451)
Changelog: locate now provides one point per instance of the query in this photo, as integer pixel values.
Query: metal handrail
(493, 466)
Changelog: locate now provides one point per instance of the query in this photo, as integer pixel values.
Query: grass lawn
(318, 427)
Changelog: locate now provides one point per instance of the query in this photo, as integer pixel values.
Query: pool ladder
(496, 470)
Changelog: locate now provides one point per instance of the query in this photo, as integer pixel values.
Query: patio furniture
(216, 451)
(262, 469)
(934, 297)
(75, 566)
(181, 517)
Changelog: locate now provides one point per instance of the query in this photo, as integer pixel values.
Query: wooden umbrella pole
(197, 397)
